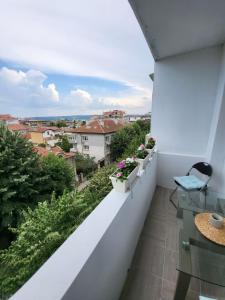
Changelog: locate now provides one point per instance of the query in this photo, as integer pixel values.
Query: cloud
(29, 94)
(88, 38)
(82, 95)
(26, 85)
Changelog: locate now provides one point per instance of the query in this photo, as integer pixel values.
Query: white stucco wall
(93, 262)
(184, 96)
(96, 143)
(216, 143)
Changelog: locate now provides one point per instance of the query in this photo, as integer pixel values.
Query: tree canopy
(21, 176)
(126, 140)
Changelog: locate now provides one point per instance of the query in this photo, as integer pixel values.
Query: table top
(201, 202)
(198, 256)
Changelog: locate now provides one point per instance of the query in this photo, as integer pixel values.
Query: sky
(72, 57)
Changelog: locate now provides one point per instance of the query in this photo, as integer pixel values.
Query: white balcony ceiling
(177, 26)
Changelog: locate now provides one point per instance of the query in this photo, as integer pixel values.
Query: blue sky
(72, 57)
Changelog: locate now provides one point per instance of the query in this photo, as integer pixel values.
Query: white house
(94, 139)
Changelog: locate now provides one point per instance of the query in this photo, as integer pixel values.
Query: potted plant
(124, 175)
(150, 146)
(142, 156)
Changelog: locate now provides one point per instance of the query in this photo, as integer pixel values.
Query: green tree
(59, 173)
(84, 163)
(45, 228)
(126, 140)
(64, 143)
(21, 177)
(61, 123)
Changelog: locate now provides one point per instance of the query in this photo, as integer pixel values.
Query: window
(107, 138)
(84, 138)
(86, 147)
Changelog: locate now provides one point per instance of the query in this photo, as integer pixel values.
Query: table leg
(182, 286)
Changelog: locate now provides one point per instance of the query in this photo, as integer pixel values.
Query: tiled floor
(153, 274)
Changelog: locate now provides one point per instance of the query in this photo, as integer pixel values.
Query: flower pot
(123, 186)
(143, 162)
(150, 151)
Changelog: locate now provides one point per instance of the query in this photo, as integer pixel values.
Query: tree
(61, 123)
(45, 228)
(59, 173)
(126, 140)
(64, 143)
(84, 163)
(21, 177)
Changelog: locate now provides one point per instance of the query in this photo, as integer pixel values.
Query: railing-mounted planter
(142, 156)
(125, 175)
(150, 145)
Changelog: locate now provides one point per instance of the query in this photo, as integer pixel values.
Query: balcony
(99, 253)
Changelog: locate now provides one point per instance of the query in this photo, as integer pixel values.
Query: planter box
(150, 151)
(143, 162)
(122, 187)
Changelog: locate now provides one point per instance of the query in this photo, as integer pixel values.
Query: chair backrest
(204, 168)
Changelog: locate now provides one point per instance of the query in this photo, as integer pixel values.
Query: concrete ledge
(92, 263)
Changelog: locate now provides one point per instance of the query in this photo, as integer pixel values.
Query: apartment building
(94, 139)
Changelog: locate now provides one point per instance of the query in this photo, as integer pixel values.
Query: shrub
(45, 228)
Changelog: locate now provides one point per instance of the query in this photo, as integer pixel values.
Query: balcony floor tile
(153, 274)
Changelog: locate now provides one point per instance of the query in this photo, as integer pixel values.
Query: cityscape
(112, 150)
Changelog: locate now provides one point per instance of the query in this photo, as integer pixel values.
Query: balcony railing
(92, 263)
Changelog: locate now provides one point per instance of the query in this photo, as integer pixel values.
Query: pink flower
(141, 147)
(119, 174)
(121, 164)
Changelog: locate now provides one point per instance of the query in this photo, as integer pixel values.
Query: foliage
(21, 176)
(61, 123)
(84, 163)
(42, 145)
(75, 124)
(64, 143)
(124, 168)
(141, 152)
(83, 123)
(151, 143)
(59, 173)
(45, 228)
(126, 140)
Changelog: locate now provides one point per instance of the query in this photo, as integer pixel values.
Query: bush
(45, 228)
(126, 140)
(59, 173)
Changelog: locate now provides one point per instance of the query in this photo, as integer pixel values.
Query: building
(45, 135)
(94, 138)
(17, 127)
(135, 117)
(114, 114)
(8, 119)
(187, 41)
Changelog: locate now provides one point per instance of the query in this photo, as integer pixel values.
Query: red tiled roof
(7, 117)
(54, 150)
(100, 126)
(27, 136)
(41, 151)
(43, 129)
(114, 112)
(17, 127)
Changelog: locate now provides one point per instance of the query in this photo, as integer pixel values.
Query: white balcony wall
(216, 144)
(92, 264)
(184, 97)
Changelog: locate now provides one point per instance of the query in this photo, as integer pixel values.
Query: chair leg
(171, 197)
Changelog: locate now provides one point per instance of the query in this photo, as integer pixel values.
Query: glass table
(198, 256)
